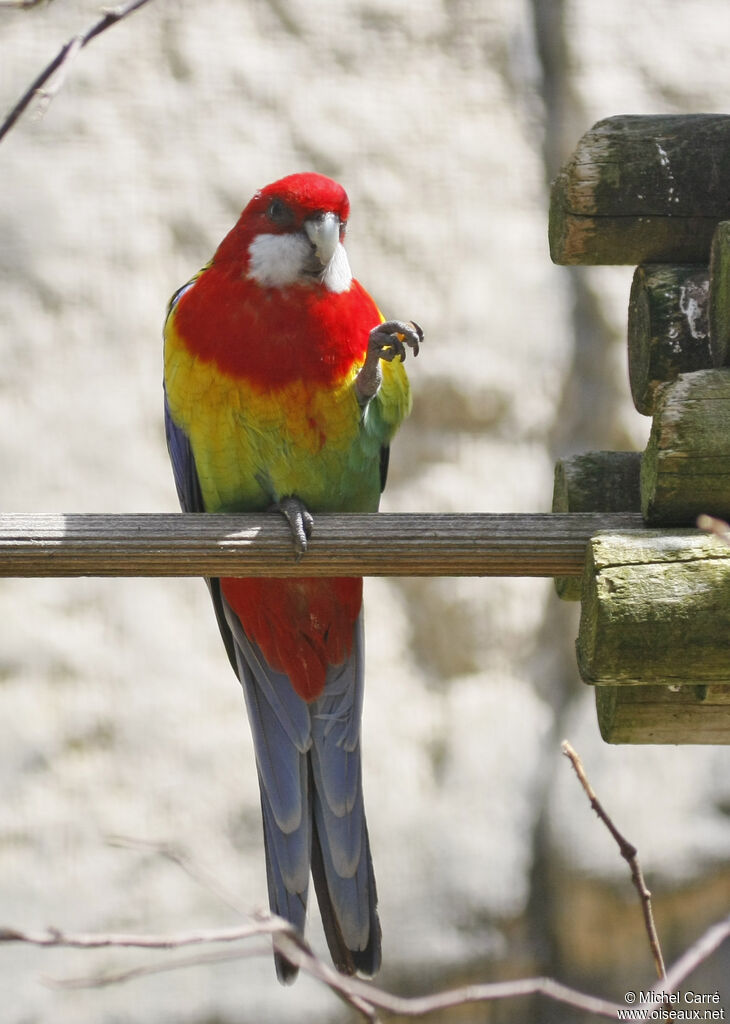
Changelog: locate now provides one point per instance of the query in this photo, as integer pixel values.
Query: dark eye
(279, 213)
(343, 229)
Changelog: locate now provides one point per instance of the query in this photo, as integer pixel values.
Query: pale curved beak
(323, 231)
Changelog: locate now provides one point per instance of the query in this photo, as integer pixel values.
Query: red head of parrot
(281, 283)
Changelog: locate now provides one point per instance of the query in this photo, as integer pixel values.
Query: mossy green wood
(594, 482)
(719, 297)
(664, 714)
(655, 609)
(636, 191)
(685, 470)
(668, 330)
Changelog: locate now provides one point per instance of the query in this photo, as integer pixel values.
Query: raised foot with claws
(386, 341)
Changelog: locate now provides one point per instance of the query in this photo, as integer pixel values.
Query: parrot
(283, 387)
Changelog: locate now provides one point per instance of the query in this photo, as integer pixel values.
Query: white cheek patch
(337, 276)
(278, 260)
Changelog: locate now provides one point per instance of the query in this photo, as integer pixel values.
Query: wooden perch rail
(384, 544)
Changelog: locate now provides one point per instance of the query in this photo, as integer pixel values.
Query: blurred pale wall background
(118, 712)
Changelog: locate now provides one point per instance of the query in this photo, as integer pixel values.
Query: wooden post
(664, 714)
(653, 637)
(594, 482)
(719, 299)
(668, 330)
(642, 190)
(655, 610)
(685, 470)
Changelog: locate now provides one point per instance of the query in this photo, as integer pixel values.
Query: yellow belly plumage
(252, 447)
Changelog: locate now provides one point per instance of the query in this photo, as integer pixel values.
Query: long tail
(308, 759)
(342, 866)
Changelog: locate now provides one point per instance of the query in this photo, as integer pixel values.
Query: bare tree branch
(50, 80)
(361, 995)
(422, 1006)
(365, 998)
(263, 925)
(628, 852)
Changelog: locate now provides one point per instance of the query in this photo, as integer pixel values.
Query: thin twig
(59, 66)
(628, 852)
(120, 977)
(180, 857)
(284, 942)
(422, 1006)
(263, 925)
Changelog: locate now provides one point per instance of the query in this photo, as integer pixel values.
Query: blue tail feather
(341, 822)
(285, 899)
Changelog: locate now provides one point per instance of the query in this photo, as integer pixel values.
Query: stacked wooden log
(654, 635)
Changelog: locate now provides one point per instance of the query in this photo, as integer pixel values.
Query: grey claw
(419, 332)
(392, 336)
(300, 522)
